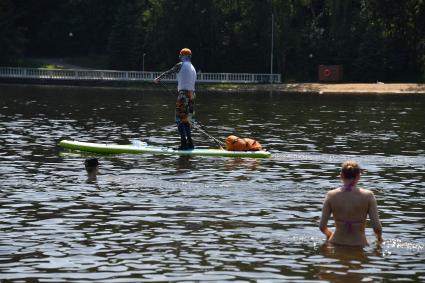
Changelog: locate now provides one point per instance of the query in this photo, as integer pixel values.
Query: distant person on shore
(350, 206)
(186, 78)
(92, 168)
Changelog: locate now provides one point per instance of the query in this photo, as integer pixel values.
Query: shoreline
(331, 89)
(284, 88)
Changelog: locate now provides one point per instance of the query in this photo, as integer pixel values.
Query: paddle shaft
(202, 130)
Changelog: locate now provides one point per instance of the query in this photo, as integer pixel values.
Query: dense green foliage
(373, 39)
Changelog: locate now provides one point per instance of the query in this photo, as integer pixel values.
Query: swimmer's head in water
(91, 164)
(350, 169)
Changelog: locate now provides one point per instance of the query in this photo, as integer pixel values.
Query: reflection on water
(341, 264)
(170, 218)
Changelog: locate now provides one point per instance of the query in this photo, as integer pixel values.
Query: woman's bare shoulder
(333, 192)
(366, 192)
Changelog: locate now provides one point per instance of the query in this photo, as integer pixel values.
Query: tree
(11, 34)
(125, 43)
(372, 39)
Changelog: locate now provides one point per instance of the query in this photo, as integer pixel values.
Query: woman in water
(350, 206)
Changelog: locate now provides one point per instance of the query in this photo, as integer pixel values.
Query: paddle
(201, 128)
(164, 87)
(196, 123)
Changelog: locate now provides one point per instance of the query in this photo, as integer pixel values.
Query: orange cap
(185, 52)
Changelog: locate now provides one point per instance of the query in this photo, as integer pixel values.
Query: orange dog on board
(235, 143)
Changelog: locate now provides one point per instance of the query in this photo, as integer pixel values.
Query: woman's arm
(326, 213)
(374, 217)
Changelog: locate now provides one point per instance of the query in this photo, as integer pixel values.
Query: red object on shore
(330, 73)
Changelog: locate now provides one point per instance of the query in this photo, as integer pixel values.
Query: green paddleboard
(110, 148)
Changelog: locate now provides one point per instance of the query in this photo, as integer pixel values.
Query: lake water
(150, 218)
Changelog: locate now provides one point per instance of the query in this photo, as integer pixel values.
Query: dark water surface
(154, 218)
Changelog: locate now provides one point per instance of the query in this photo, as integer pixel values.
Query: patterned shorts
(185, 106)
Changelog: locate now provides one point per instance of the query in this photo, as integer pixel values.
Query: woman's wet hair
(350, 169)
(91, 163)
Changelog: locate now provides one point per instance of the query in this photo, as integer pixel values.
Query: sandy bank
(307, 88)
(317, 88)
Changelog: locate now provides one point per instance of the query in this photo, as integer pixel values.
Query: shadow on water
(170, 218)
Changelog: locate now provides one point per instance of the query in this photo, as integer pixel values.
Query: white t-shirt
(186, 77)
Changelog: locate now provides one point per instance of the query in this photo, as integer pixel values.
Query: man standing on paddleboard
(186, 78)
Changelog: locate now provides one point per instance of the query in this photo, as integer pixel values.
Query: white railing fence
(110, 75)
